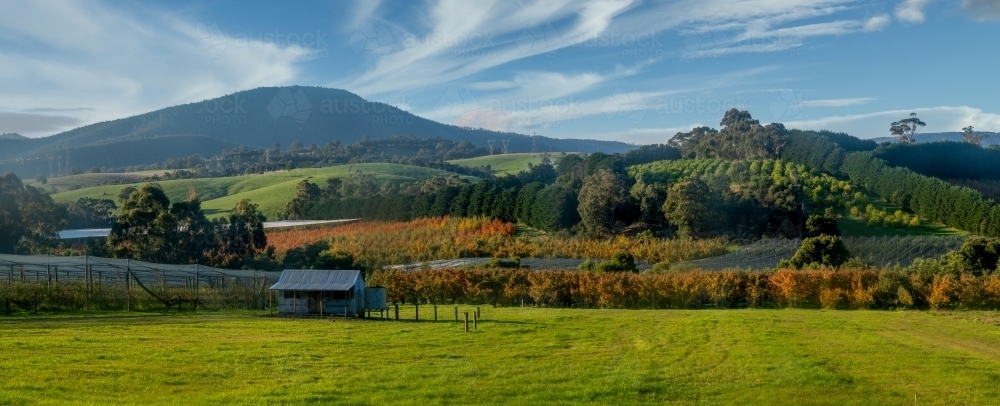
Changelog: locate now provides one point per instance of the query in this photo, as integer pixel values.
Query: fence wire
(95, 283)
(878, 251)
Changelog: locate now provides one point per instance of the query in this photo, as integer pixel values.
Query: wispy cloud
(837, 102)
(877, 23)
(912, 11)
(58, 56)
(465, 38)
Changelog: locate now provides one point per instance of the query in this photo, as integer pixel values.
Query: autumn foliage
(380, 243)
(842, 289)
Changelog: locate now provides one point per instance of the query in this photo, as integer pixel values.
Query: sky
(624, 70)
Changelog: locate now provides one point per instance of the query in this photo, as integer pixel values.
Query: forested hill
(257, 118)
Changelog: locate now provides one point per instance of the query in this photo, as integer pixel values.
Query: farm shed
(321, 292)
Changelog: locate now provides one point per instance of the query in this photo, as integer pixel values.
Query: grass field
(859, 227)
(517, 356)
(506, 163)
(72, 182)
(271, 191)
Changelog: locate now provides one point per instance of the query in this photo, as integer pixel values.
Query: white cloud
(877, 23)
(464, 38)
(117, 62)
(734, 27)
(871, 125)
(982, 10)
(837, 102)
(912, 11)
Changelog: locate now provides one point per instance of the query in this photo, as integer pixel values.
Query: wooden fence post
(479, 313)
(456, 313)
(475, 322)
(416, 307)
(86, 274)
(466, 322)
(128, 284)
(396, 305)
(435, 313)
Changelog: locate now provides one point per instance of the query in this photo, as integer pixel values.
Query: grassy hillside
(516, 356)
(851, 226)
(85, 180)
(271, 191)
(506, 163)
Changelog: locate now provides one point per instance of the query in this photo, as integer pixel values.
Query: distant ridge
(12, 136)
(257, 118)
(993, 139)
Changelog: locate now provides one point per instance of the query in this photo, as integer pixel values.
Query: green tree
(979, 255)
(823, 224)
(29, 220)
(906, 130)
(600, 196)
(240, 237)
(91, 213)
(686, 206)
(825, 250)
(194, 236)
(971, 136)
(145, 229)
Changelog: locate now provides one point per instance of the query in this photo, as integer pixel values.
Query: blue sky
(634, 71)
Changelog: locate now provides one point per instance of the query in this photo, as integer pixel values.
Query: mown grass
(506, 163)
(271, 191)
(517, 356)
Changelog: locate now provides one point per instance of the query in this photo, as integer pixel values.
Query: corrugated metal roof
(317, 280)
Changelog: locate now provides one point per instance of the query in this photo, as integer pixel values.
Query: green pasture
(517, 356)
(506, 163)
(271, 191)
(859, 227)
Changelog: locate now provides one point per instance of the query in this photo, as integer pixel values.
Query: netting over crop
(85, 282)
(878, 251)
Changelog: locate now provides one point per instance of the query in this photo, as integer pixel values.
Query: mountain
(993, 139)
(257, 118)
(12, 136)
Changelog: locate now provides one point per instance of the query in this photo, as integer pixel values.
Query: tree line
(147, 227)
(930, 197)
